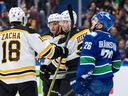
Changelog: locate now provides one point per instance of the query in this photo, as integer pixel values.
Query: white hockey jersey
(17, 55)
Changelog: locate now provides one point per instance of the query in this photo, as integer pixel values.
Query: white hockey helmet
(16, 14)
(54, 17)
(65, 16)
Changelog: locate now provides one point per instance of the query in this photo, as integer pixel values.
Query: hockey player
(74, 44)
(99, 59)
(48, 66)
(17, 60)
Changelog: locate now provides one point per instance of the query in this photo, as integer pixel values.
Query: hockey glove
(60, 51)
(64, 52)
(78, 85)
(44, 72)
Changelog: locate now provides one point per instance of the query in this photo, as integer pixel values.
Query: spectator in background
(99, 3)
(126, 38)
(4, 20)
(10, 3)
(33, 19)
(2, 6)
(115, 33)
(4, 23)
(42, 5)
(30, 3)
(115, 5)
(92, 9)
(42, 13)
(53, 4)
(123, 24)
(86, 22)
(107, 6)
(121, 44)
(124, 59)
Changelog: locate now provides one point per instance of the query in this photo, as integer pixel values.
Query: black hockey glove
(65, 52)
(60, 52)
(44, 72)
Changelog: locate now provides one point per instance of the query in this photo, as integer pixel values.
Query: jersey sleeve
(87, 56)
(43, 47)
(73, 50)
(116, 61)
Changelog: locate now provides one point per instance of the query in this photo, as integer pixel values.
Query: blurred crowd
(37, 12)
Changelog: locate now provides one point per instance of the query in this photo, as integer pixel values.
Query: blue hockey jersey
(100, 54)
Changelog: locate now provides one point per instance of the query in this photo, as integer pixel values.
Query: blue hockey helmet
(106, 19)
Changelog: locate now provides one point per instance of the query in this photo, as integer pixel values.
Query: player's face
(54, 27)
(66, 26)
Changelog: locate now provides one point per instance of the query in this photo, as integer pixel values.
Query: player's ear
(99, 26)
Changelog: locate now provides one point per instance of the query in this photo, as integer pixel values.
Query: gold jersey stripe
(49, 36)
(80, 33)
(45, 37)
(61, 66)
(50, 53)
(17, 76)
(17, 69)
(44, 51)
(63, 60)
(61, 36)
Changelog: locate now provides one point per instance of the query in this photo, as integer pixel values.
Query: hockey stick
(69, 7)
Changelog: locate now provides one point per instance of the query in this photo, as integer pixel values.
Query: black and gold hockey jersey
(74, 45)
(17, 54)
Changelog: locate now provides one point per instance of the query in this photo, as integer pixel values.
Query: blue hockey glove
(80, 85)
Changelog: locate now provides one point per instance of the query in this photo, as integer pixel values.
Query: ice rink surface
(121, 82)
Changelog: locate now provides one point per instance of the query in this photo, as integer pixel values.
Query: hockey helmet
(106, 19)
(65, 16)
(54, 17)
(16, 14)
